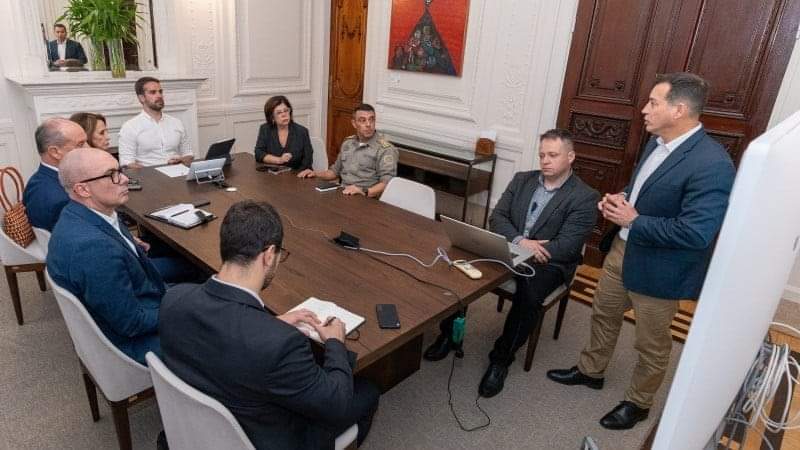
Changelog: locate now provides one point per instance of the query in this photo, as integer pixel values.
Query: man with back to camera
(551, 212)
(62, 49)
(665, 220)
(153, 137)
(366, 162)
(220, 338)
(44, 196)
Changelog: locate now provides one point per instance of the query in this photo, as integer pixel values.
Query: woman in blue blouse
(281, 141)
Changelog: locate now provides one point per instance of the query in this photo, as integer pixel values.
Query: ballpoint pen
(179, 213)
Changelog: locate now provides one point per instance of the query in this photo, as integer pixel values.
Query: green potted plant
(109, 21)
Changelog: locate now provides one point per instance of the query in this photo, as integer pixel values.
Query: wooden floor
(583, 292)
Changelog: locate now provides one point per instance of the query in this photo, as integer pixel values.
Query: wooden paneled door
(741, 46)
(346, 74)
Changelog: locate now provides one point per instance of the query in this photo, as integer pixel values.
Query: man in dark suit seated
(665, 220)
(62, 49)
(219, 338)
(551, 212)
(97, 259)
(44, 197)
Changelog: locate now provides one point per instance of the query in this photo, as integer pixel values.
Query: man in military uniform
(366, 162)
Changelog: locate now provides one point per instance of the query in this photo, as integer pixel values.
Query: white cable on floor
(773, 366)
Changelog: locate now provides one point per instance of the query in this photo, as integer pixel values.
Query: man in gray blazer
(551, 212)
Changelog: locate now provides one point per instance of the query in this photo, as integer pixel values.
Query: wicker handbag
(15, 221)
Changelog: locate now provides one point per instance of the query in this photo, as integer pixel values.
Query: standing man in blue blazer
(665, 220)
(97, 259)
(61, 49)
(44, 197)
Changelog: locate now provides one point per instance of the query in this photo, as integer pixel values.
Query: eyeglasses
(114, 174)
(279, 112)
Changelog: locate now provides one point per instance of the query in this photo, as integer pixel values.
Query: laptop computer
(484, 243)
(221, 149)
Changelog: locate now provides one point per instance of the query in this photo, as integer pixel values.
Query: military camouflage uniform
(366, 164)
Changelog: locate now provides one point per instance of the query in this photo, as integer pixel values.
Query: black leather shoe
(439, 349)
(573, 376)
(161, 441)
(624, 416)
(493, 380)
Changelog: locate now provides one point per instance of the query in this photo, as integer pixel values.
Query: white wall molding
(290, 24)
(507, 82)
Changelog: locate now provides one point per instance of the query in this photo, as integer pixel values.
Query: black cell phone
(262, 168)
(327, 186)
(387, 316)
(134, 185)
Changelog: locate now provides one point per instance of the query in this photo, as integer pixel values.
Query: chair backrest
(411, 196)
(12, 253)
(192, 419)
(117, 375)
(320, 161)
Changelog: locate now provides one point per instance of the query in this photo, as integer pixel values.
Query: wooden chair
(122, 381)
(560, 296)
(17, 259)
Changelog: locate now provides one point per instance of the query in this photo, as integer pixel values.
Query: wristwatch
(365, 191)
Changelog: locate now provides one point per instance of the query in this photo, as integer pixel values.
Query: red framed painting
(428, 36)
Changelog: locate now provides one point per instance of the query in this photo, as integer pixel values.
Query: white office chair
(18, 259)
(320, 161)
(411, 196)
(193, 420)
(122, 381)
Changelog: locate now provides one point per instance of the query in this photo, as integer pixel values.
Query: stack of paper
(323, 310)
(174, 170)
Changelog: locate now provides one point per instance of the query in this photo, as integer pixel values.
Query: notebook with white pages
(324, 309)
(182, 215)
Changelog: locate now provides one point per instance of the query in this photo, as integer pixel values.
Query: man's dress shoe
(573, 376)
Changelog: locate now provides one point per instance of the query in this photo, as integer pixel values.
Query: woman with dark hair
(94, 124)
(281, 141)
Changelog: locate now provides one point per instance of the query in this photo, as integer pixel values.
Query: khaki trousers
(653, 339)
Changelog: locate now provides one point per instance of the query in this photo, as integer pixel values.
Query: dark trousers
(525, 310)
(361, 411)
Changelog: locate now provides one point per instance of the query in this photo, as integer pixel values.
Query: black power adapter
(347, 240)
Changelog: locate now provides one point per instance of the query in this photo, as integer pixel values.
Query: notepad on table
(324, 309)
(183, 215)
(174, 170)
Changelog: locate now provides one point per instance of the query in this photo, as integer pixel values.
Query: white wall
(248, 49)
(787, 103)
(514, 62)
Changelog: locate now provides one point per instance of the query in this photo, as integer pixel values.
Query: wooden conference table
(317, 267)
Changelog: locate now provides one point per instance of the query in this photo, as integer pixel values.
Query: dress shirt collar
(675, 143)
(53, 168)
(560, 185)
(112, 220)
(241, 288)
(151, 118)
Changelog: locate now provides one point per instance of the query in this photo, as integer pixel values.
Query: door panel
(346, 75)
(741, 47)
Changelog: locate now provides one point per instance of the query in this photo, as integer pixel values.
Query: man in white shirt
(153, 137)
